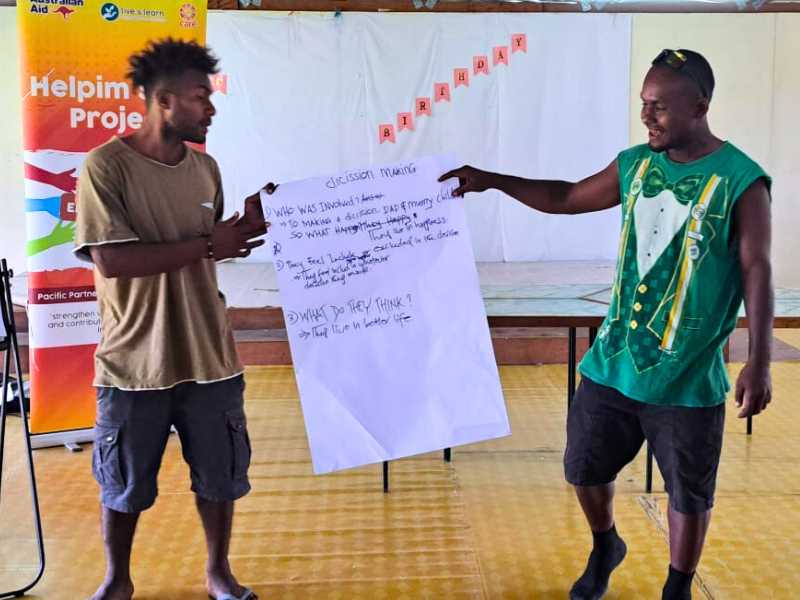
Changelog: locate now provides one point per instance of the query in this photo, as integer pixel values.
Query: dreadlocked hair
(168, 58)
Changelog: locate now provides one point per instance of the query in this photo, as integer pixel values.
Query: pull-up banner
(75, 97)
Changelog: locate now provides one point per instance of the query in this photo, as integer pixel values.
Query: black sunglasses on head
(678, 61)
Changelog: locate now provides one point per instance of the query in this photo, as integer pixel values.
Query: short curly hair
(691, 65)
(166, 59)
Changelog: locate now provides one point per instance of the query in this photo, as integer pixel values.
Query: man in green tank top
(695, 242)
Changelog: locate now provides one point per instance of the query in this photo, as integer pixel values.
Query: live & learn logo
(109, 11)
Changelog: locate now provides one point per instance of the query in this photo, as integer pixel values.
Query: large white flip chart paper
(387, 328)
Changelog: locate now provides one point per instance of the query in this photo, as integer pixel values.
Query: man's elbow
(565, 199)
(757, 267)
(105, 260)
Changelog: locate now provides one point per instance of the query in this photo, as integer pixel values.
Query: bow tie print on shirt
(685, 189)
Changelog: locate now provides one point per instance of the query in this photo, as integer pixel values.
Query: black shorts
(131, 433)
(606, 429)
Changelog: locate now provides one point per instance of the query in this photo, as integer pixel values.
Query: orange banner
(74, 97)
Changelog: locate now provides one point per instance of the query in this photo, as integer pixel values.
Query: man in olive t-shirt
(149, 217)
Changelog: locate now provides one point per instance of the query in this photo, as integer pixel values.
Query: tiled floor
(497, 522)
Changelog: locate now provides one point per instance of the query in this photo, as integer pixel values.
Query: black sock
(608, 552)
(605, 540)
(678, 586)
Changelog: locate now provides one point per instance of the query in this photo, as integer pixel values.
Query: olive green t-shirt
(158, 330)
(678, 287)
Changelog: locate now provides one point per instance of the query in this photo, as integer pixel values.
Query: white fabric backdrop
(306, 93)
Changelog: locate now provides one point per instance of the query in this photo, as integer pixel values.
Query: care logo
(109, 11)
(188, 15)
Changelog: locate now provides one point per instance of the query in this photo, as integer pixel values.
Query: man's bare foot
(221, 581)
(112, 589)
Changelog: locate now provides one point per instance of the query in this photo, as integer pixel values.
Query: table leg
(447, 456)
(571, 366)
(386, 477)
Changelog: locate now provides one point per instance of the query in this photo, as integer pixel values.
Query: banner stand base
(70, 439)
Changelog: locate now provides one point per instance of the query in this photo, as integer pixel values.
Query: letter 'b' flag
(386, 133)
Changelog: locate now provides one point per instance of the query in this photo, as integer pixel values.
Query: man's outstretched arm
(598, 192)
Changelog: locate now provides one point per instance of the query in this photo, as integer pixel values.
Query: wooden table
(568, 306)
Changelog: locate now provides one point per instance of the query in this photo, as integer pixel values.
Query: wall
(348, 74)
(758, 84)
(754, 105)
(12, 214)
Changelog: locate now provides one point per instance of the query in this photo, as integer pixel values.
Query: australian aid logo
(60, 8)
